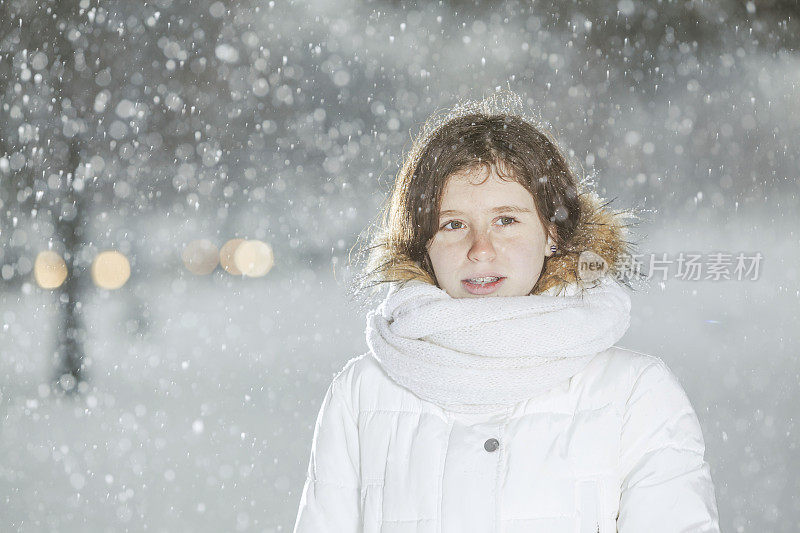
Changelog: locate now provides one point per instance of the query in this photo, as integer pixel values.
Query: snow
(286, 123)
(199, 413)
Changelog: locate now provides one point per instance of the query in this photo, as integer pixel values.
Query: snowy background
(142, 126)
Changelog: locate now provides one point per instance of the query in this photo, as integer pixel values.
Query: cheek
(442, 251)
(525, 250)
(525, 253)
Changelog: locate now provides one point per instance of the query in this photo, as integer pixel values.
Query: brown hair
(472, 137)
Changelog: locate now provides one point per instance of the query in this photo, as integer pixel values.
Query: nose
(482, 248)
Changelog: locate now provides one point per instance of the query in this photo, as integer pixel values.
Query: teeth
(483, 281)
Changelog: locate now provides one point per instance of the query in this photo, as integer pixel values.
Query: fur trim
(600, 229)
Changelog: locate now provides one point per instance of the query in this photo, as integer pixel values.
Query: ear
(550, 240)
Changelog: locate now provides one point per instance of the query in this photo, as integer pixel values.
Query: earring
(553, 248)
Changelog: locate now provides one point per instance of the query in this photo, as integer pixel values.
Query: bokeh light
(49, 269)
(226, 256)
(254, 258)
(110, 270)
(200, 257)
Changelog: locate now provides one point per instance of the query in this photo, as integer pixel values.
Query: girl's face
(488, 228)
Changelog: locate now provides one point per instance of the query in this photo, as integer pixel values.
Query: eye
(512, 220)
(451, 222)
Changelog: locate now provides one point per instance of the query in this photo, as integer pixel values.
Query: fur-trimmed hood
(600, 229)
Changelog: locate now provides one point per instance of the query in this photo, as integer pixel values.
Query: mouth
(482, 285)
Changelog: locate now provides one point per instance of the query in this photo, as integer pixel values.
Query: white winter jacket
(617, 448)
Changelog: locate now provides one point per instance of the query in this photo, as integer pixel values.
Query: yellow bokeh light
(49, 269)
(200, 257)
(254, 258)
(110, 270)
(226, 256)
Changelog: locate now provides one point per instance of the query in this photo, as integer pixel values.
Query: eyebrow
(499, 209)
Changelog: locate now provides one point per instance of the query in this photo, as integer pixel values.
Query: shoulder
(364, 385)
(625, 372)
(624, 361)
(357, 371)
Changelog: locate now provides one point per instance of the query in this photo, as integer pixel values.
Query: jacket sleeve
(330, 501)
(667, 484)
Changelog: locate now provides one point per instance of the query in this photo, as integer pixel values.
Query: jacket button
(491, 445)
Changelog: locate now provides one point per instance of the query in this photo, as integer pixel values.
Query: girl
(492, 398)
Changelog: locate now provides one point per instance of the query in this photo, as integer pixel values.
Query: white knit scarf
(485, 354)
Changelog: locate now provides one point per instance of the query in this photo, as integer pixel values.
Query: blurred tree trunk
(70, 370)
